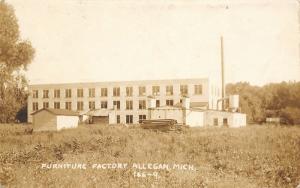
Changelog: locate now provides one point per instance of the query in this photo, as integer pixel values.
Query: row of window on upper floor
(103, 105)
(116, 91)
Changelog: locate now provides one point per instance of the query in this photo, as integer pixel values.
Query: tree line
(15, 55)
(271, 100)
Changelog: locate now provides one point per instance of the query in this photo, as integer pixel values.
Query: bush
(291, 115)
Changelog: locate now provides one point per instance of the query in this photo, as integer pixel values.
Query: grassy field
(254, 156)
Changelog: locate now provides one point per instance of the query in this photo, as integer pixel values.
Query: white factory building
(129, 97)
(127, 102)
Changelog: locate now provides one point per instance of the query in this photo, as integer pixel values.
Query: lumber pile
(160, 124)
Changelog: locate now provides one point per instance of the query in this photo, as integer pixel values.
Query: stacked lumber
(160, 124)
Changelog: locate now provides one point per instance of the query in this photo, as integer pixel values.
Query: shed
(98, 116)
(47, 119)
(83, 117)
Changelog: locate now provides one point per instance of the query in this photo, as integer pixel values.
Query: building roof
(199, 104)
(63, 112)
(167, 108)
(98, 112)
(116, 83)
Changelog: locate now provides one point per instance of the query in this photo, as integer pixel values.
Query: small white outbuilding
(48, 119)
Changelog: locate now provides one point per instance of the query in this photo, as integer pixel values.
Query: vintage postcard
(150, 93)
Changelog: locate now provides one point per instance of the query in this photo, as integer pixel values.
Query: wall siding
(44, 121)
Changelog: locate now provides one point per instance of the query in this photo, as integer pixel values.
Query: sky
(98, 40)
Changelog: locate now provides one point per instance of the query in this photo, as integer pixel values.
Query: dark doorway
(100, 119)
(225, 122)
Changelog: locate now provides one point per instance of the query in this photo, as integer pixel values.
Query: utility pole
(222, 74)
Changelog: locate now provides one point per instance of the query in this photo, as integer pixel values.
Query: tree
(272, 100)
(250, 100)
(15, 56)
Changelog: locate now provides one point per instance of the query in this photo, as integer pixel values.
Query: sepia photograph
(150, 93)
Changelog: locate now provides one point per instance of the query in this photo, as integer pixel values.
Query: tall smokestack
(222, 73)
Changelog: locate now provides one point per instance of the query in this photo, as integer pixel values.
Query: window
(116, 91)
(129, 119)
(142, 104)
(198, 89)
(129, 105)
(80, 105)
(118, 119)
(155, 90)
(225, 121)
(215, 121)
(92, 92)
(103, 92)
(157, 103)
(68, 105)
(169, 102)
(56, 105)
(35, 94)
(56, 93)
(116, 105)
(129, 91)
(142, 117)
(45, 104)
(169, 90)
(35, 106)
(45, 93)
(142, 91)
(79, 93)
(104, 104)
(68, 93)
(91, 105)
(183, 89)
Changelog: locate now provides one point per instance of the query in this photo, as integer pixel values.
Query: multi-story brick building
(128, 97)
